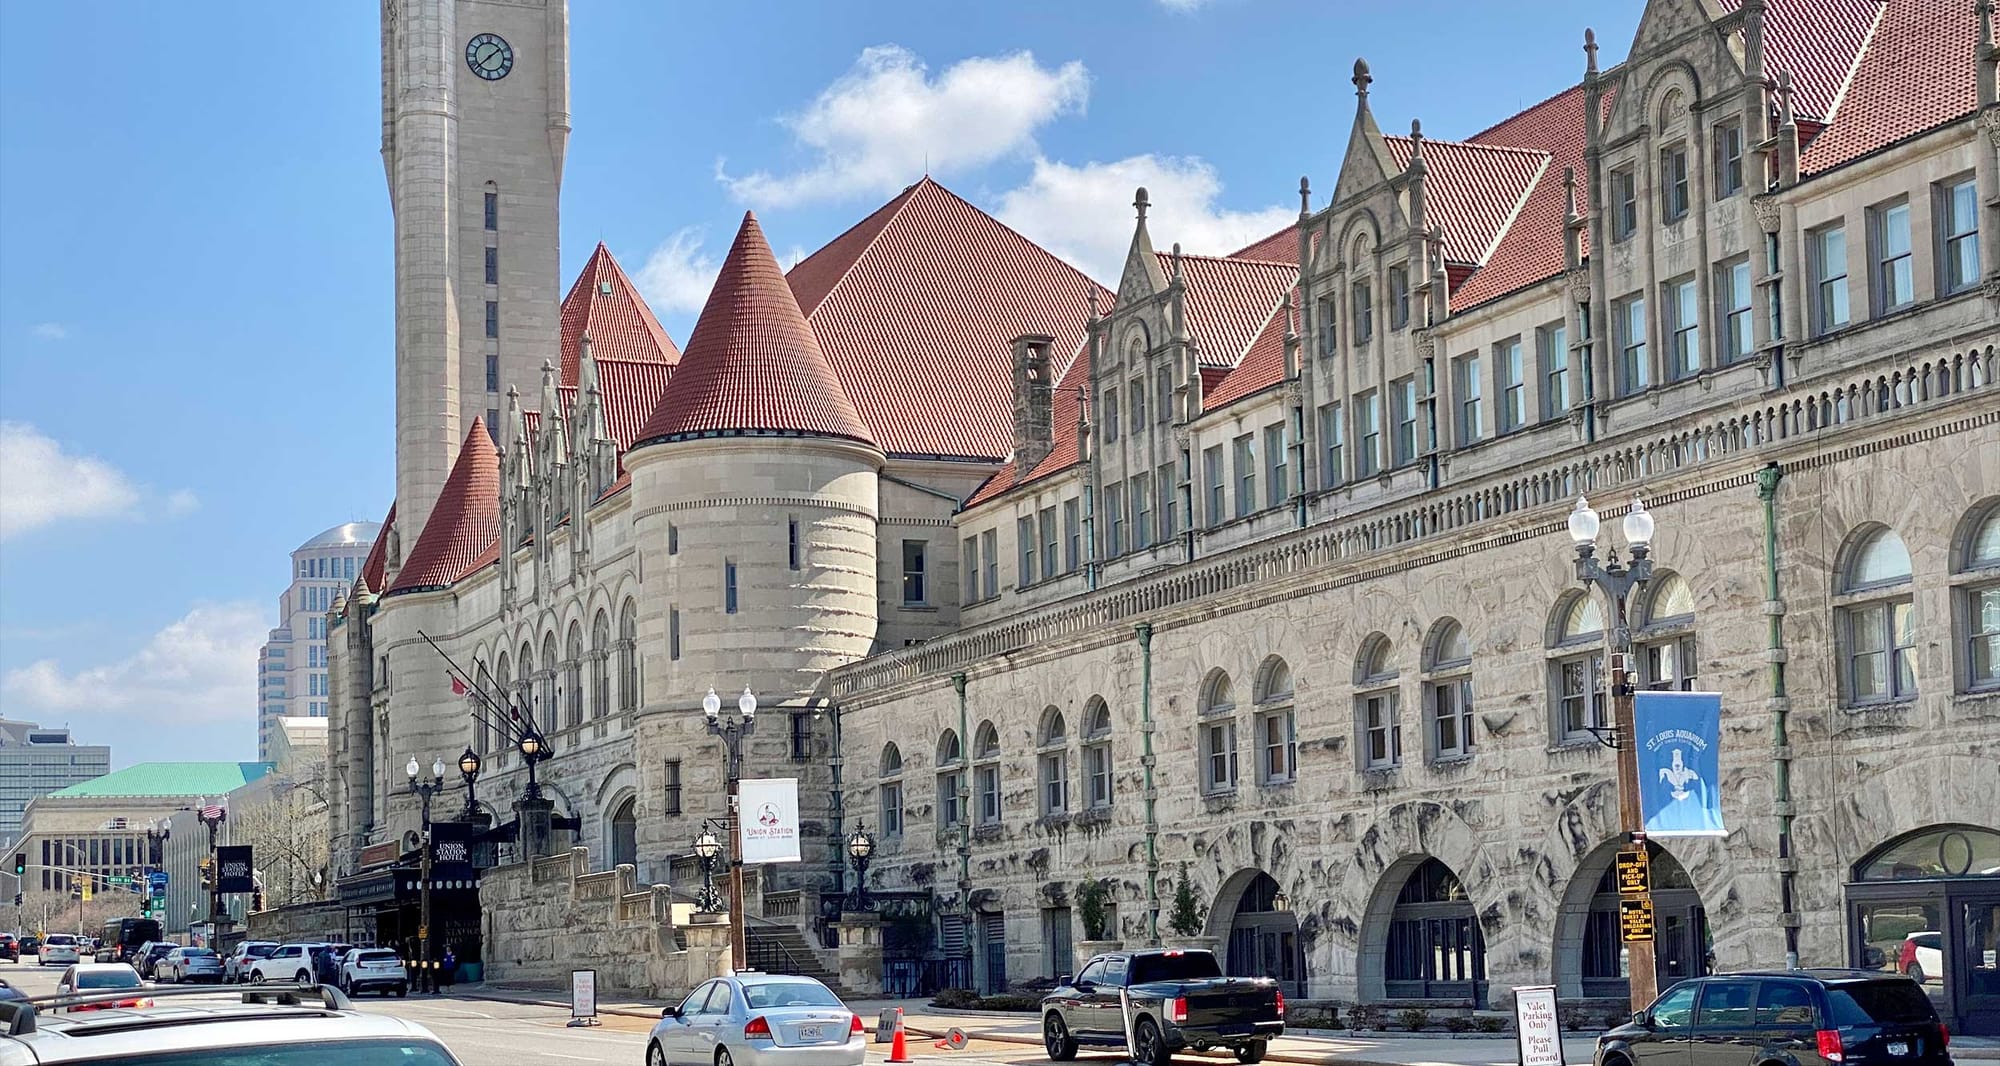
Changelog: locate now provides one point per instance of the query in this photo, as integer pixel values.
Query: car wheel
(1916, 972)
(655, 1056)
(302, 979)
(1149, 1047)
(1056, 1038)
(1251, 1052)
(722, 1057)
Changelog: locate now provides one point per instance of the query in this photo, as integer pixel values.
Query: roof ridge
(895, 206)
(1854, 65)
(1030, 241)
(1232, 258)
(1482, 145)
(1520, 204)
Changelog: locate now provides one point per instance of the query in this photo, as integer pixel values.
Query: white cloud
(1183, 6)
(1083, 213)
(44, 484)
(182, 502)
(200, 668)
(51, 331)
(887, 121)
(678, 274)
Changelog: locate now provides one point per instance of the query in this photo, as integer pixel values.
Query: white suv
(291, 963)
(58, 949)
(373, 970)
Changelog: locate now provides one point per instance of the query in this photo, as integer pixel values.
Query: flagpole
(463, 675)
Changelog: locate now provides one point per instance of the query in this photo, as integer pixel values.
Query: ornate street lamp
(468, 768)
(707, 848)
(860, 847)
(732, 731)
(1617, 581)
(212, 816)
(534, 749)
(424, 790)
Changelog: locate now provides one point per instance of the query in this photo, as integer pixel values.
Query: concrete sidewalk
(1306, 1047)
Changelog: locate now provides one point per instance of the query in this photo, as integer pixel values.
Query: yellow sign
(1635, 919)
(1634, 873)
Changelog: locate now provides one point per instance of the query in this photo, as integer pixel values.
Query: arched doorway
(1434, 949)
(1264, 935)
(1591, 959)
(1927, 904)
(625, 833)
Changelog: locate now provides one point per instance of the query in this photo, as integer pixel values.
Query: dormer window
(1329, 341)
(1399, 297)
(1624, 204)
(1363, 313)
(1674, 183)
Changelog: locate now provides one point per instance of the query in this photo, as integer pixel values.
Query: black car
(1801, 1017)
(145, 958)
(1178, 1000)
(10, 948)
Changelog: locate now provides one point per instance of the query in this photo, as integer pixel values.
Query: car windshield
(122, 977)
(767, 994)
(1174, 966)
(1879, 1003)
(59, 938)
(386, 1052)
(197, 953)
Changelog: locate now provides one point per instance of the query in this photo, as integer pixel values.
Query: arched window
(551, 691)
(1448, 692)
(950, 781)
(573, 676)
(625, 834)
(524, 684)
(1876, 618)
(480, 715)
(503, 695)
(600, 665)
(986, 775)
(628, 658)
(1277, 729)
(1097, 753)
(1576, 669)
(1054, 762)
(1977, 584)
(1218, 735)
(1665, 637)
(889, 791)
(1377, 705)
(1435, 950)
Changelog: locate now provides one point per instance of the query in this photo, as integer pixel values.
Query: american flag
(211, 812)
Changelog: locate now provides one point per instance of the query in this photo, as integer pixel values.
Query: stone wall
(325, 920)
(546, 918)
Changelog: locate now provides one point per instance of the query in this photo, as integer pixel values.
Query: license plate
(1899, 1048)
(812, 1032)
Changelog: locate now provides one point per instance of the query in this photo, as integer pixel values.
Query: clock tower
(475, 119)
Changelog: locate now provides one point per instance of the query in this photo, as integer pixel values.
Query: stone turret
(1034, 399)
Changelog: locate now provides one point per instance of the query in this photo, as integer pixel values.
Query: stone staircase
(776, 947)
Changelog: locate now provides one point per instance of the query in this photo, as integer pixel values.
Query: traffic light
(20, 864)
(76, 890)
(207, 875)
(17, 899)
(257, 900)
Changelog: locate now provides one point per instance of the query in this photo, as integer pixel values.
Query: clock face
(489, 56)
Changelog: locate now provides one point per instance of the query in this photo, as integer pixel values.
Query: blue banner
(1680, 764)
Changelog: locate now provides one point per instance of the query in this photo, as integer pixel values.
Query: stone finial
(1785, 116)
(1141, 202)
(1305, 196)
(1091, 294)
(1362, 78)
(1569, 195)
(1177, 260)
(1417, 165)
(1589, 50)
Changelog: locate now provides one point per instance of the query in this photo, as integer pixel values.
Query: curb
(622, 1012)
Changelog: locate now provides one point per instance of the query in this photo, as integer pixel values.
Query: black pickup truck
(1179, 1001)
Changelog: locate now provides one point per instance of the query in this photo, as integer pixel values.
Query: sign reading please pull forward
(768, 815)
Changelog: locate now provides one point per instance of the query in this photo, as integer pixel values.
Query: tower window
(792, 542)
(492, 266)
(673, 633)
(492, 210)
(492, 371)
(493, 318)
(729, 586)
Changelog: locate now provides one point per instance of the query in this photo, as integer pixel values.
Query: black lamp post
(708, 848)
(212, 817)
(732, 733)
(425, 789)
(534, 749)
(468, 768)
(1617, 581)
(860, 847)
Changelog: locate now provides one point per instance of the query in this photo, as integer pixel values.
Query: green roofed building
(152, 779)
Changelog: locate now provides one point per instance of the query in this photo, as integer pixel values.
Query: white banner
(1538, 1032)
(583, 993)
(768, 813)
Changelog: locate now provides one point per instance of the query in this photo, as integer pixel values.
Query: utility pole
(732, 733)
(425, 790)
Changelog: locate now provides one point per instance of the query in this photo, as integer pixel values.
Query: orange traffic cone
(899, 1051)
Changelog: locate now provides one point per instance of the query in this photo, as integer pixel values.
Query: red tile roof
(752, 365)
(1279, 247)
(1068, 401)
(1262, 367)
(604, 304)
(1818, 41)
(918, 306)
(465, 522)
(1228, 301)
(375, 567)
(629, 390)
(1531, 249)
(1472, 191)
(1919, 72)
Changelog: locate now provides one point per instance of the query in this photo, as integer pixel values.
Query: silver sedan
(189, 964)
(755, 1019)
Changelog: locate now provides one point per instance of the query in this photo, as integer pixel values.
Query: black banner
(234, 869)
(451, 849)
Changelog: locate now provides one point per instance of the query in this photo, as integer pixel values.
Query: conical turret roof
(752, 366)
(465, 523)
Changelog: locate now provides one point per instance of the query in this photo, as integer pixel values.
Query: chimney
(1034, 399)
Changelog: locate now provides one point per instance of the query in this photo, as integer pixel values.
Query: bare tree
(56, 911)
(287, 832)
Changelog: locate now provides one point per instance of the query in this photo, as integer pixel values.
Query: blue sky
(195, 316)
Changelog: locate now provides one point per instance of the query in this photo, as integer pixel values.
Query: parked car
(58, 949)
(31, 945)
(755, 1019)
(237, 966)
(1179, 999)
(101, 977)
(146, 958)
(8, 992)
(1922, 957)
(373, 970)
(290, 962)
(253, 1027)
(189, 965)
(1804, 1017)
(10, 947)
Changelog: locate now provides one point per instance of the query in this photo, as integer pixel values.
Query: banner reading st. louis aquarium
(1680, 764)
